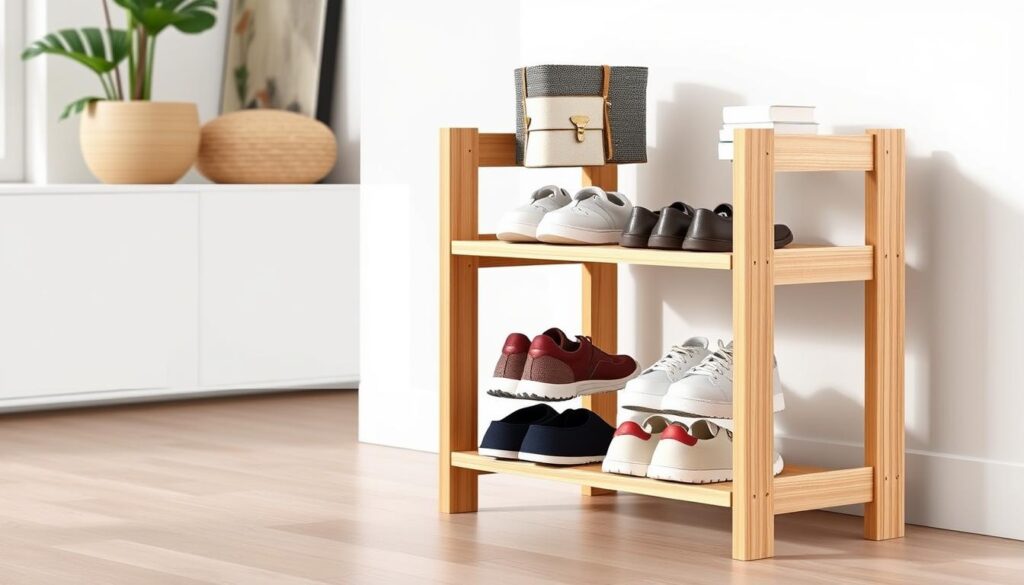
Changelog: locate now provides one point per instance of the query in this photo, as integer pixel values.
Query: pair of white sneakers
(691, 380)
(592, 216)
(663, 449)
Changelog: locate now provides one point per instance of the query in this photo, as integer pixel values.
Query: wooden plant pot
(140, 142)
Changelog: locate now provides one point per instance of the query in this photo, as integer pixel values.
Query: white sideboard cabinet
(133, 293)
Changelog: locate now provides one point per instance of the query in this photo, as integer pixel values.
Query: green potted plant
(125, 137)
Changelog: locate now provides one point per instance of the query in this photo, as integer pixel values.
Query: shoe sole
(560, 459)
(665, 243)
(624, 468)
(633, 241)
(639, 402)
(529, 389)
(503, 387)
(675, 474)
(498, 453)
(517, 232)
(563, 234)
(692, 407)
(704, 245)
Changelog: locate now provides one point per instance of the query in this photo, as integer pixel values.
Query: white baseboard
(943, 491)
(138, 395)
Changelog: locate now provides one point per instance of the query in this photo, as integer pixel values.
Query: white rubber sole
(498, 453)
(700, 475)
(624, 468)
(504, 387)
(567, 234)
(692, 407)
(517, 232)
(560, 460)
(544, 391)
(640, 402)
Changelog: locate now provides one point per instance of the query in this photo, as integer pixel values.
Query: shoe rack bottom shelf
(797, 488)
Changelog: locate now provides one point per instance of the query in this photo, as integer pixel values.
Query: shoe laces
(675, 359)
(717, 365)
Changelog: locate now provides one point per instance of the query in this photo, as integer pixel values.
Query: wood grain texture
(458, 347)
(275, 489)
(489, 262)
(884, 324)
(497, 150)
(753, 313)
(715, 494)
(612, 254)
(601, 307)
(139, 142)
(799, 152)
(797, 264)
(822, 489)
(266, 146)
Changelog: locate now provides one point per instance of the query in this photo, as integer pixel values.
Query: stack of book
(782, 119)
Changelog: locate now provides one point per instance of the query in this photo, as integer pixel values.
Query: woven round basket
(266, 146)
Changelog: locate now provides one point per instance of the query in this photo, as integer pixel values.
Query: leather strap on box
(609, 149)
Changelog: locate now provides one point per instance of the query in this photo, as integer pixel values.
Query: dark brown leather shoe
(638, 227)
(711, 231)
(671, 228)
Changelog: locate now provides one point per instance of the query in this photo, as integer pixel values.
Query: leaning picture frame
(281, 54)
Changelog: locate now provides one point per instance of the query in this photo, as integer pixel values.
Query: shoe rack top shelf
(797, 488)
(793, 152)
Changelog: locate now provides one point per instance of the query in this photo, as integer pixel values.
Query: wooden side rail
(823, 489)
(823, 153)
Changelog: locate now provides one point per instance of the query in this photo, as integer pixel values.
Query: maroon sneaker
(509, 369)
(562, 371)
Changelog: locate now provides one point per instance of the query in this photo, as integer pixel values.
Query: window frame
(12, 92)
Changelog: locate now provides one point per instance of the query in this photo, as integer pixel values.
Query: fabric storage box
(580, 115)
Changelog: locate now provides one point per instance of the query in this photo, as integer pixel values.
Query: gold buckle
(581, 126)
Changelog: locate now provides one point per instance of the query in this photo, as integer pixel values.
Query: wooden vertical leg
(459, 166)
(883, 336)
(600, 308)
(753, 313)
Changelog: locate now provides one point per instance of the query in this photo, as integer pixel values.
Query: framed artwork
(281, 54)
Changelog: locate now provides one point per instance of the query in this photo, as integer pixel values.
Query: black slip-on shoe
(575, 437)
(671, 228)
(638, 227)
(504, 437)
(711, 231)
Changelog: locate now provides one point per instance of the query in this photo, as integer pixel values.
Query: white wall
(188, 68)
(950, 75)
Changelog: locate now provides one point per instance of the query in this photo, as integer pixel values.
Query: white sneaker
(633, 446)
(520, 224)
(595, 217)
(646, 392)
(700, 454)
(706, 390)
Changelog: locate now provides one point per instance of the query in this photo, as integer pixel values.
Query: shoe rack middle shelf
(794, 264)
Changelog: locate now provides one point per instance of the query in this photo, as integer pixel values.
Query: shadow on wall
(948, 281)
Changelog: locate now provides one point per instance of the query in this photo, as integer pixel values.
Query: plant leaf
(188, 16)
(78, 105)
(85, 46)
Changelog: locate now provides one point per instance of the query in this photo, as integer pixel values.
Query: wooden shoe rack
(754, 496)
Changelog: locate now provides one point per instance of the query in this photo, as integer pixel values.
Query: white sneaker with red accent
(633, 445)
(700, 454)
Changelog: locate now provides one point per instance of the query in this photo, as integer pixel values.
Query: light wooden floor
(275, 490)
